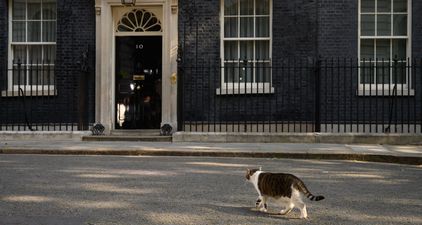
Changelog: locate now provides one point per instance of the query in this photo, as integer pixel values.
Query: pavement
(401, 154)
(138, 190)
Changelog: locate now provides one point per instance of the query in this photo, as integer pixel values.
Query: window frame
(29, 89)
(245, 87)
(388, 88)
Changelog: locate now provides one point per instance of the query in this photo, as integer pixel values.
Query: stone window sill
(375, 93)
(242, 91)
(28, 93)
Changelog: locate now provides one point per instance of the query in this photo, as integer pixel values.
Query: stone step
(149, 132)
(128, 138)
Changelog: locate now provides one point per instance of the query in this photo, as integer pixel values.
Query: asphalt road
(62, 190)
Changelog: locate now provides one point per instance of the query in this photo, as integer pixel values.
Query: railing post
(180, 83)
(245, 80)
(317, 71)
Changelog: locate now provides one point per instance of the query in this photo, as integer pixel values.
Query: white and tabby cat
(286, 189)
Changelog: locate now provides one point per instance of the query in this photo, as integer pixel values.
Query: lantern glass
(128, 2)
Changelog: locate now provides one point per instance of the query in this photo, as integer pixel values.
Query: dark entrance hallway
(138, 82)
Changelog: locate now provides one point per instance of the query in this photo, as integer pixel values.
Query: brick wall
(294, 36)
(302, 31)
(75, 34)
(417, 29)
(337, 28)
(338, 38)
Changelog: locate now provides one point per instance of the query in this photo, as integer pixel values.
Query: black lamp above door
(128, 2)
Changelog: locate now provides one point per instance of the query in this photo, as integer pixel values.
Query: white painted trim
(105, 60)
(132, 34)
(136, 34)
(9, 46)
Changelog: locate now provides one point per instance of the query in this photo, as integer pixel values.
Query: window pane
(400, 24)
(383, 72)
(49, 54)
(19, 54)
(246, 27)
(230, 27)
(262, 7)
(262, 27)
(34, 72)
(19, 75)
(399, 49)
(246, 50)
(49, 31)
(262, 50)
(41, 75)
(49, 74)
(19, 33)
(35, 54)
(368, 25)
(34, 31)
(246, 72)
(49, 10)
(383, 49)
(367, 49)
(231, 72)
(34, 9)
(368, 5)
(246, 7)
(367, 73)
(400, 5)
(19, 10)
(384, 25)
(399, 73)
(384, 5)
(230, 50)
(263, 72)
(230, 7)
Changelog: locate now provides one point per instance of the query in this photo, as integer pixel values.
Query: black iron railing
(301, 95)
(42, 97)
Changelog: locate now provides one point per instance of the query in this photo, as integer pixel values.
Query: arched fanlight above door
(139, 20)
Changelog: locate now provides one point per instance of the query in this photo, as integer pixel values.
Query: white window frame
(30, 90)
(249, 87)
(386, 89)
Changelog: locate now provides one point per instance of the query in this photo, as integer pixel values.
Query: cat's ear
(260, 168)
(248, 171)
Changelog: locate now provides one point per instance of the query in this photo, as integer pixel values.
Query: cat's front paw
(263, 209)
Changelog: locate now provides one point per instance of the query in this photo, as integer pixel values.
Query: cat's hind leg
(302, 208)
(287, 210)
(297, 201)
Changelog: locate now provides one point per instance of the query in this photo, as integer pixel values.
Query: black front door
(138, 82)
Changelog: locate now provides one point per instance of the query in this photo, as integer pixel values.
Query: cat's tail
(302, 188)
(315, 198)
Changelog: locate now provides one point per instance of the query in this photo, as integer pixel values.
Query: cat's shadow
(248, 211)
(273, 214)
